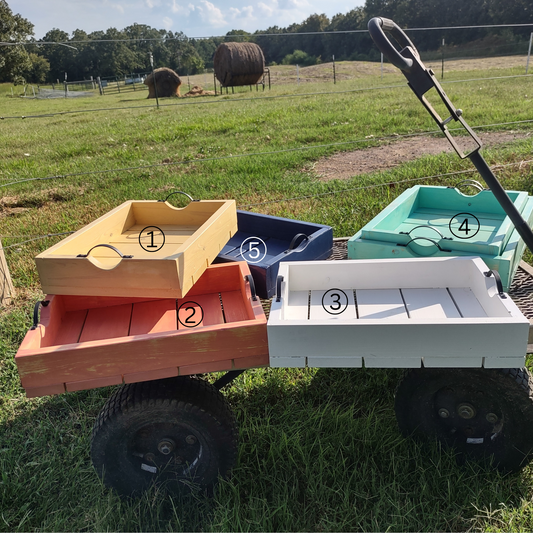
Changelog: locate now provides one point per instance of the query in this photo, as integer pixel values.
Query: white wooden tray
(401, 313)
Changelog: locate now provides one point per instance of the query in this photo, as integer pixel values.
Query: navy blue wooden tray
(283, 239)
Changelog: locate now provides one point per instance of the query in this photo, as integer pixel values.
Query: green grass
(320, 450)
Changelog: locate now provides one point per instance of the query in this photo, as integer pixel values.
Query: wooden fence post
(6, 286)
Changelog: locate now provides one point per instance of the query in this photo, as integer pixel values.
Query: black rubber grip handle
(250, 280)
(106, 246)
(377, 27)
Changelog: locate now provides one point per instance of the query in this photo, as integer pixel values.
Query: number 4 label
(464, 225)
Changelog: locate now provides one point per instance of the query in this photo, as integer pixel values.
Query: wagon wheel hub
(468, 413)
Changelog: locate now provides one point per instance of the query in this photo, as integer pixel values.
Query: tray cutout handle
(498, 280)
(100, 265)
(423, 239)
(293, 246)
(249, 278)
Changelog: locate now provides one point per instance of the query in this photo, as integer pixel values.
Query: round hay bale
(238, 64)
(167, 82)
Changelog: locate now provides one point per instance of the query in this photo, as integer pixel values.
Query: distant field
(320, 449)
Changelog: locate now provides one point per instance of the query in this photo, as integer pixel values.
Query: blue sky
(195, 18)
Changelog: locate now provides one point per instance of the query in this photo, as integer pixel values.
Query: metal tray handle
(279, 281)
(293, 245)
(470, 183)
(106, 246)
(179, 192)
(250, 280)
(499, 284)
(38, 304)
(423, 239)
(429, 227)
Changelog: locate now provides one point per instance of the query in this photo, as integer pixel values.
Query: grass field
(320, 449)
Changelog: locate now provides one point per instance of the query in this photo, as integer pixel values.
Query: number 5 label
(253, 249)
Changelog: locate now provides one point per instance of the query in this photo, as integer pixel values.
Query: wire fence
(295, 198)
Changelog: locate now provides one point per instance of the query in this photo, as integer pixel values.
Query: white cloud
(244, 15)
(167, 23)
(267, 10)
(117, 7)
(176, 7)
(210, 14)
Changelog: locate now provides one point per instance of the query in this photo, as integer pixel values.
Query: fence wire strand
(255, 154)
(305, 197)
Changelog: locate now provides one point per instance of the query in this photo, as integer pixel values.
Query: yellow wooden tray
(141, 248)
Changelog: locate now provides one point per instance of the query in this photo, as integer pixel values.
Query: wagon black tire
(484, 414)
(179, 433)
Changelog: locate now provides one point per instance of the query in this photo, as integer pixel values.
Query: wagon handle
(250, 280)
(377, 27)
(38, 304)
(293, 246)
(179, 192)
(421, 80)
(425, 226)
(279, 281)
(424, 239)
(106, 246)
(499, 284)
(470, 183)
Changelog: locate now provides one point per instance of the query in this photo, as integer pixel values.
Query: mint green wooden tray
(417, 223)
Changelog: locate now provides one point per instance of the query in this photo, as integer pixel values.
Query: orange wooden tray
(84, 342)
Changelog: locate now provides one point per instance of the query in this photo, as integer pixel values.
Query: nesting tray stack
(399, 313)
(126, 305)
(443, 222)
(264, 241)
(121, 253)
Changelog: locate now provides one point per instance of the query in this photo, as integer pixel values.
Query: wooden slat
(429, 303)
(235, 309)
(107, 323)
(93, 383)
(154, 317)
(70, 330)
(298, 306)
(467, 302)
(35, 392)
(192, 309)
(380, 304)
(202, 368)
(136, 377)
(333, 305)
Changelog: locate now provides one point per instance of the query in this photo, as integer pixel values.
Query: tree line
(117, 53)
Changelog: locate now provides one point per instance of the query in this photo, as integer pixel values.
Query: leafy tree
(299, 57)
(14, 60)
(38, 70)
